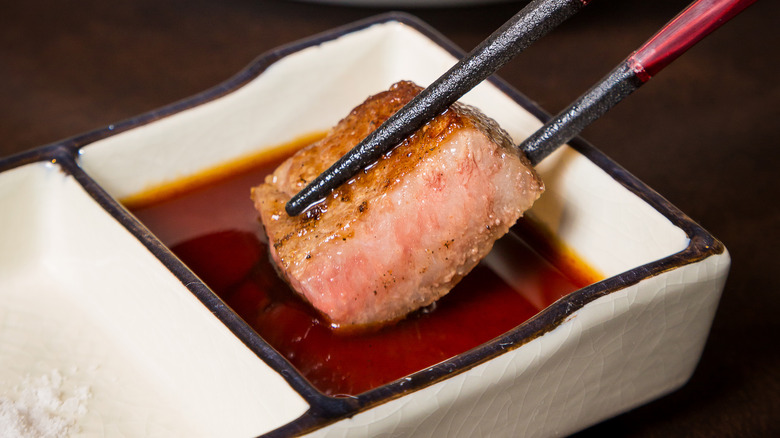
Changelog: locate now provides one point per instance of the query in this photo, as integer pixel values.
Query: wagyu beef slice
(402, 233)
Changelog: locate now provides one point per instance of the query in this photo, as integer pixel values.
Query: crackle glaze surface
(616, 353)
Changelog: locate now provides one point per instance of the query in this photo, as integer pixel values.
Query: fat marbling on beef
(403, 232)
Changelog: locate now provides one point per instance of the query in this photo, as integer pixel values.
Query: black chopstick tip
(296, 205)
(312, 194)
(292, 210)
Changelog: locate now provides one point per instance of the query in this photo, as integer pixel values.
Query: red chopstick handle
(680, 34)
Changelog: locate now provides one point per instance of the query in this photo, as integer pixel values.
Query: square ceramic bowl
(89, 291)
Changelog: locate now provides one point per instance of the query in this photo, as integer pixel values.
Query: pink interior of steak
(402, 233)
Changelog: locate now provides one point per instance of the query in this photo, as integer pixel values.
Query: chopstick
(694, 23)
(689, 27)
(525, 27)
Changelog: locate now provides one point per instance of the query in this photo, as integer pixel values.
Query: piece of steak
(402, 233)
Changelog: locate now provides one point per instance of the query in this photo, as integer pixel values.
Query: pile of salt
(41, 408)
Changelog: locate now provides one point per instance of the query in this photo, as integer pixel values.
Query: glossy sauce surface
(214, 229)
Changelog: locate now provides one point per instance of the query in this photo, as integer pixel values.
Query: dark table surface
(703, 133)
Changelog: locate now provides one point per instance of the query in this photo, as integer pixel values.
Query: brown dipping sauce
(210, 223)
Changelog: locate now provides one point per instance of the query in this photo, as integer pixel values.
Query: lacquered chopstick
(681, 33)
(525, 27)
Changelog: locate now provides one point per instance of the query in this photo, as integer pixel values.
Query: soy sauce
(210, 223)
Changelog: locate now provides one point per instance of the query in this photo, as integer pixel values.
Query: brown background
(703, 133)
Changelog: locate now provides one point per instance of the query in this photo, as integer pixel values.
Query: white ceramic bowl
(87, 289)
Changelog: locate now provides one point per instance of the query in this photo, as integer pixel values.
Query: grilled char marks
(384, 244)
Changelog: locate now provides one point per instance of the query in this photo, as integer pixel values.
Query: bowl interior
(84, 300)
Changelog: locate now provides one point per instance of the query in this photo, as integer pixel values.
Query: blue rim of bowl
(326, 409)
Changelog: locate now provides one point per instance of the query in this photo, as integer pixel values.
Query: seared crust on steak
(403, 232)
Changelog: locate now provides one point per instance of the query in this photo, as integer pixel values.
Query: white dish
(83, 297)
(595, 353)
